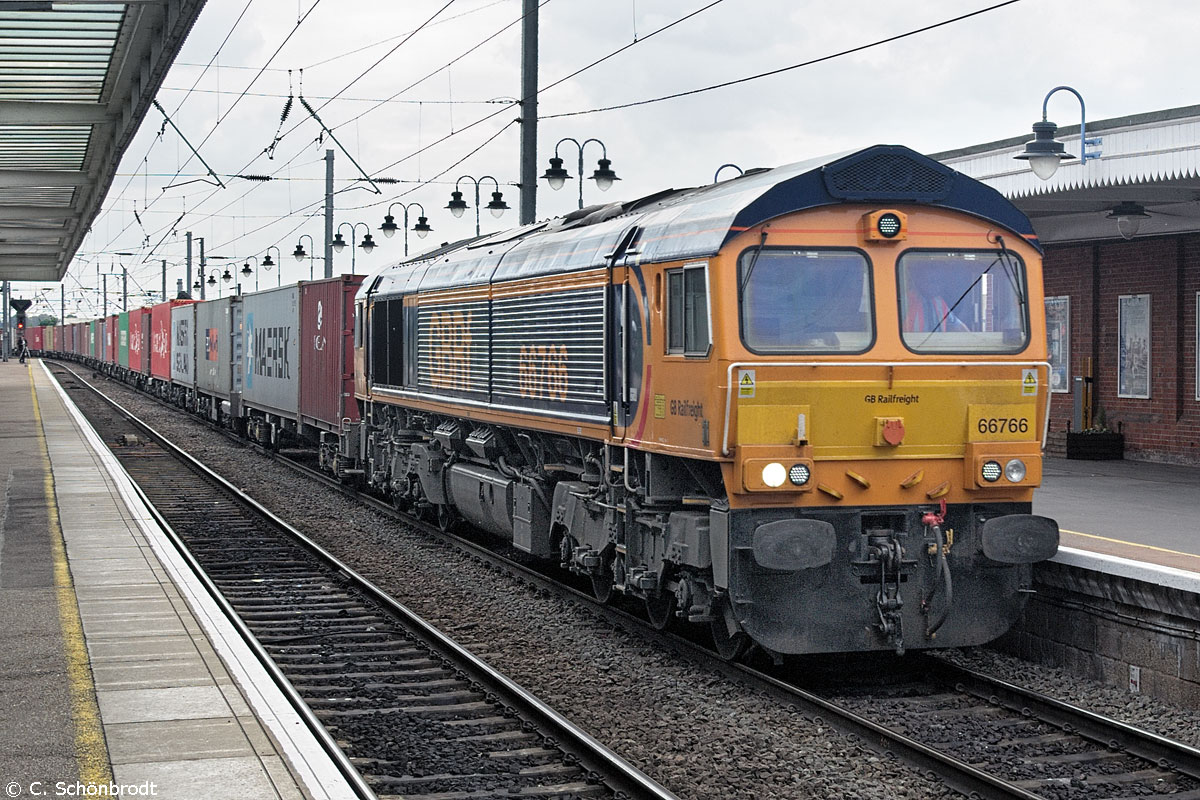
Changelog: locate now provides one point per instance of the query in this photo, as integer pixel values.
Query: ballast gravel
(695, 732)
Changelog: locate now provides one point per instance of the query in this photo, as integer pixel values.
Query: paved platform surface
(1131, 509)
(106, 671)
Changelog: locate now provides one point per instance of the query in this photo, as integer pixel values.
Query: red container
(138, 361)
(159, 337)
(33, 337)
(327, 351)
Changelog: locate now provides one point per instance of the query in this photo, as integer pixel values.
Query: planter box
(1096, 446)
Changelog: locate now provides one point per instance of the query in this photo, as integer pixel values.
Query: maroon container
(110, 339)
(33, 337)
(327, 351)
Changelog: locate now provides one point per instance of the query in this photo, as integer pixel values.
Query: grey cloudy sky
(974, 81)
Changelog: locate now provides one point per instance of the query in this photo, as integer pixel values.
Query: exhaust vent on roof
(888, 174)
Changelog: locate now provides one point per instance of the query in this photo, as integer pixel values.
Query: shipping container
(34, 337)
(183, 345)
(139, 360)
(158, 337)
(94, 329)
(218, 348)
(272, 374)
(327, 352)
(122, 343)
(50, 339)
(110, 341)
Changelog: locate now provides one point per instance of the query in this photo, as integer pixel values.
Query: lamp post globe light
(422, 228)
(267, 263)
(1128, 217)
(1044, 153)
(246, 270)
(457, 206)
(299, 253)
(604, 176)
(339, 244)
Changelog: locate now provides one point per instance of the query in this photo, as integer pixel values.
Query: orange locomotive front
(803, 407)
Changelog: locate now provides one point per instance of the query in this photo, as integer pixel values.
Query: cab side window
(687, 311)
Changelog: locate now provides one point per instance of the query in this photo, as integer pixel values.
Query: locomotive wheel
(660, 608)
(446, 518)
(729, 646)
(602, 587)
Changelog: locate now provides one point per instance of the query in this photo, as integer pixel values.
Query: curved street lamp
(458, 206)
(246, 270)
(604, 176)
(389, 225)
(339, 244)
(1044, 153)
(299, 253)
(267, 263)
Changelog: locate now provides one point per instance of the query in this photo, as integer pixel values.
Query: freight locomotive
(804, 407)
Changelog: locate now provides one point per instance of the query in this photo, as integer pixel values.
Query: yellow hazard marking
(1131, 544)
(91, 751)
(746, 383)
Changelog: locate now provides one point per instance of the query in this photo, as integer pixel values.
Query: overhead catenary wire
(781, 70)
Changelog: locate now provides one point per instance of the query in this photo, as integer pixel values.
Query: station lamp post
(299, 253)
(604, 176)
(458, 206)
(367, 243)
(1044, 153)
(268, 262)
(246, 270)
(389, 225)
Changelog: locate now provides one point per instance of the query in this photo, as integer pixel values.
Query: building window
(687, 310)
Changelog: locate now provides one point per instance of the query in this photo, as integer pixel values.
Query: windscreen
(962, 302)
(805, 301)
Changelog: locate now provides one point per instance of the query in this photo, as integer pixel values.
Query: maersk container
(218, 348)
(327, 351)
(272, 368)
(183, 345)
(123, 339)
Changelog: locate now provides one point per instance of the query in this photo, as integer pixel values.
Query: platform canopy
(1151, 159)
(76, 80)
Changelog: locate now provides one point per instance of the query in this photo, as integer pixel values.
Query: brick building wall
(1165, 426)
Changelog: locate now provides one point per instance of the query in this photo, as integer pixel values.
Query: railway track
(982, 737)
(416, 715)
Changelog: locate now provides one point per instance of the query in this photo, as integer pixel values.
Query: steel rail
(594, 756)
(1164, 752)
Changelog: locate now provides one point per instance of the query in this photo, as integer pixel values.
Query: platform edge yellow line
(91, 749)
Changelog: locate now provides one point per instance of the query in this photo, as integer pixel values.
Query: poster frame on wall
(1058, 342)
(1133, 346)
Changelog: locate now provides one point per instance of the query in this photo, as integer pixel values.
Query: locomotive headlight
(799, 474)
(888, 225)
(774, 474)
(1014, 470)
(991, 471)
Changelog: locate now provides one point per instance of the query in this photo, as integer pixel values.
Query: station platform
(119, 675)
(1130, 510)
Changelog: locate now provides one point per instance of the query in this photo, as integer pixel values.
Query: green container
(123, 339)
(93, 341)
